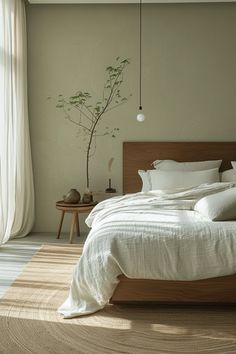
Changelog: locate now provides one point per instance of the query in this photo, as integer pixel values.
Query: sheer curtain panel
(16, 177)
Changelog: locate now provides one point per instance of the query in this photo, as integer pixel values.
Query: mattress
(155, 235)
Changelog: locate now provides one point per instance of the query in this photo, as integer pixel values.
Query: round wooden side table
(75, 209)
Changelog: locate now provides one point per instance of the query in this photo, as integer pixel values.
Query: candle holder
(110, 189)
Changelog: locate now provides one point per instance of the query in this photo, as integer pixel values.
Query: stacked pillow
(182, 179)
(169, 174)
(171, 165)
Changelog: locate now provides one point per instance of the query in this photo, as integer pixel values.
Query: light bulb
(140, 117)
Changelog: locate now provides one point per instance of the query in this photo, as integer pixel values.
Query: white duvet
(152, 235)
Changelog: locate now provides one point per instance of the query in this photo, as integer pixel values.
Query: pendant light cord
(140, 54)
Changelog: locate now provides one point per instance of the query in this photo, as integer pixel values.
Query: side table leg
(73, 224)
(60, 225)
(77, 225)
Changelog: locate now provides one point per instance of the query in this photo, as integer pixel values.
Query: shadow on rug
(29, 322)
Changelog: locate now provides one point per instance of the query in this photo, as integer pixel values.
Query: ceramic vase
(72, 197)
(87, 198)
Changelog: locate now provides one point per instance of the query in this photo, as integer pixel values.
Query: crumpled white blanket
(154, 235)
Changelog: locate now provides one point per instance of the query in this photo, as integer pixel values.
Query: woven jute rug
(29, 322)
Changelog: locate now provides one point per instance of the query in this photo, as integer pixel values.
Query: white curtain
(16, 177)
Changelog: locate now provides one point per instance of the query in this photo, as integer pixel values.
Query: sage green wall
(189, 85)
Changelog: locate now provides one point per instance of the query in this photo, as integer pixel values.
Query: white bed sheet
(149, 236)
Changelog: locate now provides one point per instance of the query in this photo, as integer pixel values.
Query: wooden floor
(17, 253)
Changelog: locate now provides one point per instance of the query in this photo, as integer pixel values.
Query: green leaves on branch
(82, 101)
(81, 110)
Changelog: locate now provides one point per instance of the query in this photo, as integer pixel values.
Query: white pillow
(220, 206)
(146, 187)
(171, 165)
(228, 176)
(181, 179)
(233, 163)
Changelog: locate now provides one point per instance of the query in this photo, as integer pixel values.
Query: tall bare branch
(90, 113)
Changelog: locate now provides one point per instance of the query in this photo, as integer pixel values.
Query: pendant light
(140, 116)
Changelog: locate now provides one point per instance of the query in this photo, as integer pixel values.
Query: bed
(114, 262)
(140, 155)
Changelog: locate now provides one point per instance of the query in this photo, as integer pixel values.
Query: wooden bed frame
(140, 155)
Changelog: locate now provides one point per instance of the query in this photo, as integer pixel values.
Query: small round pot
(87, 198)
(72, 197)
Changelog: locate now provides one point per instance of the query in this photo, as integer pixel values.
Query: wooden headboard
(140, 155)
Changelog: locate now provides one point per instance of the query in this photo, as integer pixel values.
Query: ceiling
(120, 1)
